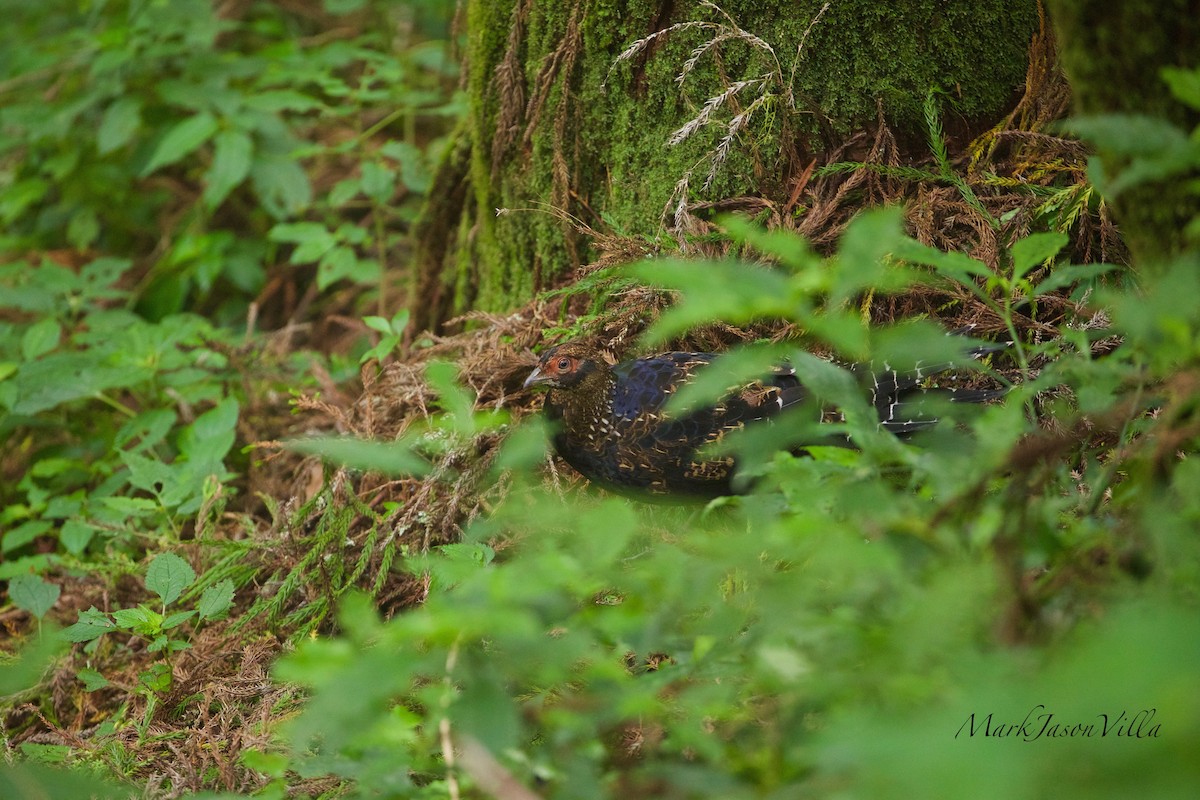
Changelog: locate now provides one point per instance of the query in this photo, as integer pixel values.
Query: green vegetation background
(208, 224)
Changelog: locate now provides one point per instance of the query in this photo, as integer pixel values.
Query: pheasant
(610, 424)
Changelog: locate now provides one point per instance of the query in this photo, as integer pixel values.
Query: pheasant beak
(536, 378)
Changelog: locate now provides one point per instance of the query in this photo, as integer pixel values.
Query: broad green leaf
(139, 618)
(33, 594)
(24, 533)
(59, 378)
(282, 185)
(40, 338)
(168, 575)
(75, 535)
(337, 263)
(378, 182)
(181, 141)
(120, 122)
(312, 240)
(791, 250)
(216, 600)
(176, 619)
(861, 259)
(1184, 85)
(1034, 250)
(207, 441)
(91, 680)
(147, 473)
(414, 172)
(1068, 274)
(715, 290)
(390, 458)
(457, 401)
(953, 264)
(92, 623)
(233, 152)
(378, 324)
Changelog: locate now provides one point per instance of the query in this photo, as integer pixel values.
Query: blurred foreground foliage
(896, 620)
(1003, 607)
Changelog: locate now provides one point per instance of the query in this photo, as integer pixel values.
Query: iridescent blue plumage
(612, 426)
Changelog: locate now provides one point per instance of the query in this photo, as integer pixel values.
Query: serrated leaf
(1034, 250)
(1069, 274)
(40, 338)
(121, 121)
(715, 290)
(282, 185)
(33, 594)
(390, 458)
(168, 575)
(75, 535)
(176, 619)
(91, 680)
(216, 600)
(138, 618)
(181, 141)
(233, 153)
(92, 624)
(208, 440)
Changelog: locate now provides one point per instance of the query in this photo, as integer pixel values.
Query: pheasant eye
(563, 364)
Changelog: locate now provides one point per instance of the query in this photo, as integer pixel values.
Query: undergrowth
(1002, 607)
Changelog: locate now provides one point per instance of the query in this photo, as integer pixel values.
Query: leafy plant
(33, 594)
(744, 650)
(167, 576)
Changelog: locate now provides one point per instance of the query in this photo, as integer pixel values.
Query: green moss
(618, 119)
(1114, 54)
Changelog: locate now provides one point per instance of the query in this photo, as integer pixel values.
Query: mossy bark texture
(559, 128)
(1113, 54)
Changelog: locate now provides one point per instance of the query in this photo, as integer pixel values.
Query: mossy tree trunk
(1113, 54)
(560, 129)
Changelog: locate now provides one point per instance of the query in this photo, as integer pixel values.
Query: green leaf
(168, 575)
(1034, 250)
(92, 624)
(390, 458)
(75, 535)
(62, 377)
(715, 290)
(860, 262)
(216, 600)
(957, 266)
(1071, 273)
(378, 324)
(378, 182)
(139, 619)
(282, 185)
(233, 153)
(40, 338)
(208, 440)
(120, 122)
(181, 141)
(176, 619)
(342, 262)
(91, 680)
(312, 240)
(33, 594)
(1184, 85)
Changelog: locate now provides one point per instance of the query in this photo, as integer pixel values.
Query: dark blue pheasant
(611, 426)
